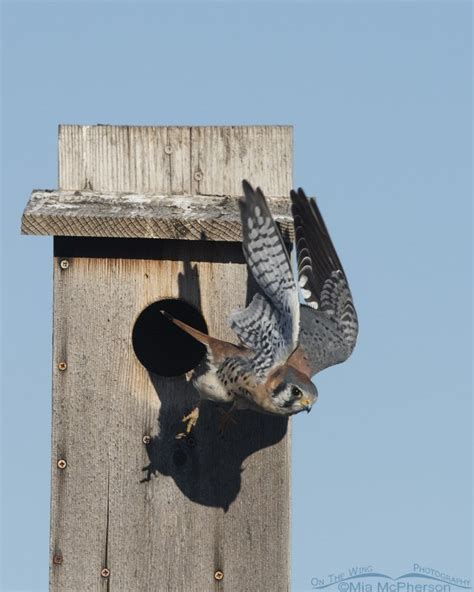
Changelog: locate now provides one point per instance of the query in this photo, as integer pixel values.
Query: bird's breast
(210, 387)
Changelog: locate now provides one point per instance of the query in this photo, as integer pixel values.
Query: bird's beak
(307, 405)
(308, 408)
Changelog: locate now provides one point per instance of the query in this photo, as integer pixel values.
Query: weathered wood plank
(74, 213)
(196, 514)
(222, 503)
(223, 156)
(175, 160)
(178, 148)
(79, 504)
(114, 158)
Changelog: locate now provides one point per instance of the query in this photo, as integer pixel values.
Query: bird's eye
(296, 392)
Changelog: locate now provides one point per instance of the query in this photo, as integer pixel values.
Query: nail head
(146, 439)
(198, 176)
(219, 575)
(168, 149)
(105, 573)
(62, 464)
(64, 264)
(62, 366)
(57, 559)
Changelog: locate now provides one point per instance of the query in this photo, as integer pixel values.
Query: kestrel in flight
(282, 343)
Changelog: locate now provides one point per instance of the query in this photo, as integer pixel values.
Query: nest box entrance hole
(162, 347)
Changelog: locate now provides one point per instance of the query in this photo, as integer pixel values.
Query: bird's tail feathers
(216, 348)
(198, 335)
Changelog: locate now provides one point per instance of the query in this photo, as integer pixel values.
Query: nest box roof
(162, 182)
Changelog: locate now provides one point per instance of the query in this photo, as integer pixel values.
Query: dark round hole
(161, 346)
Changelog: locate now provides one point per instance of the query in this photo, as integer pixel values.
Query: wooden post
(133, 508)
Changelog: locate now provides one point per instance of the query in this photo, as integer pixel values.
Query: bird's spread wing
(329, 321)
(270, 324)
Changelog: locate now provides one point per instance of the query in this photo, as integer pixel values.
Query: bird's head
(291, 391)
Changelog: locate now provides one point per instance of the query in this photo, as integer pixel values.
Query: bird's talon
(190, 420)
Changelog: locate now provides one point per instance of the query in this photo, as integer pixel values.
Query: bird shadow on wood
(206, 466)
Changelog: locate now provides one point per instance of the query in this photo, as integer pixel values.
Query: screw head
(105, 573)
(198, 176)
(146, 439)
(62, 464)
(219, 575)
(168, 149)
(64, 264)
(57, 559)
(62, 366)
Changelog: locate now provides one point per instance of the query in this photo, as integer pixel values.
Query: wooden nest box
(146, 218)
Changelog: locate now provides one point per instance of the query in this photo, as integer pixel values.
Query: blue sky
(380, 98)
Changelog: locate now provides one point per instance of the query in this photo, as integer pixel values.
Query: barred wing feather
(270, 324)
(329, 325)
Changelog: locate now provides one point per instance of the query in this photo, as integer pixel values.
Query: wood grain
(175, 160)
(223, 156)
(167, 514)
(83, 213)
(194, 515)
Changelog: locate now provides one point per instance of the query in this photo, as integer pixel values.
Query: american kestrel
(282, 343)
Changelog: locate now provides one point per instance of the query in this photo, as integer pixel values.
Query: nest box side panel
(157, 513)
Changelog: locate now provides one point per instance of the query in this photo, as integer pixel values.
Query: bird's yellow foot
(226, 418)
(190, 420)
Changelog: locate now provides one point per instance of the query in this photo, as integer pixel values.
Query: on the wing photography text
(366, 579)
